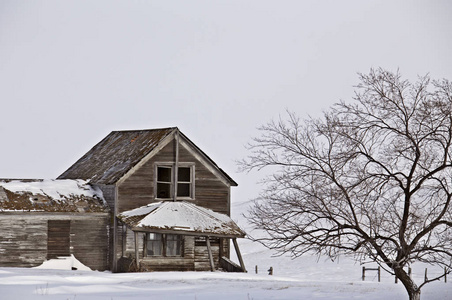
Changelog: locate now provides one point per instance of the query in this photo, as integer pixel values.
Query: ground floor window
(159, 244)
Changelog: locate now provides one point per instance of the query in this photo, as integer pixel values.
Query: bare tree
(372, 178)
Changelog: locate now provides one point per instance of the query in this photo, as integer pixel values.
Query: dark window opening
(165, 182)
(154, 244)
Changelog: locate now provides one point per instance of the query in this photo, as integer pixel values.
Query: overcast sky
(73, 71)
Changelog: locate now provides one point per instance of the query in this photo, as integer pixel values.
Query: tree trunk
(416, 295)
(412, 289)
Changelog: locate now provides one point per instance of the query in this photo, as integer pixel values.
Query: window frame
(158, 243)
(180, 241)
(157, 181)
(171, 166)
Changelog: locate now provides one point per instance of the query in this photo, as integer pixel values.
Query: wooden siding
(24, 237)
(184, 263)
(138, 189)
(202, 254)
(108, 192)
(58, 238)
(23, 241)
(195, 257)
(89, 241)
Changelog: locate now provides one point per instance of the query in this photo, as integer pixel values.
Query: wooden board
(58, 238)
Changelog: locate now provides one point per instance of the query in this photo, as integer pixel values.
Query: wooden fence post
(425, 275)
(373, 269)
(256, 269)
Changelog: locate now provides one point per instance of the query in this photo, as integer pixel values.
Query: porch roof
(182, 218)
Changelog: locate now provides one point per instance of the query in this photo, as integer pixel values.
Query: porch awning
(182, 218)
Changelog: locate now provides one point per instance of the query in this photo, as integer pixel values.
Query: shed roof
(180, 217)
(50, 196)
(114, 156)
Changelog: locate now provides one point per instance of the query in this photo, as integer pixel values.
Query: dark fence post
(372, 269)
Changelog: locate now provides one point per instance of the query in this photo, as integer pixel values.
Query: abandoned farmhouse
(138, 200)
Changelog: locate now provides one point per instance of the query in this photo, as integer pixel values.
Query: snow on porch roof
(182, 217)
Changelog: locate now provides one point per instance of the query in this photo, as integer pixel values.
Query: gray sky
(72, 71)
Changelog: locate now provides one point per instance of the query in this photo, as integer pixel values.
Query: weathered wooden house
(161, 204)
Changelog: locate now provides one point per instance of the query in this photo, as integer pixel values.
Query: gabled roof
(114, 156)
(180, 217)
(50, 196)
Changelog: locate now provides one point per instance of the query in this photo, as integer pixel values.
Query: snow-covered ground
(303, 278)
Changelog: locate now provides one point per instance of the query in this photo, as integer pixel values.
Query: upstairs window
(164, 182)
(184, 182)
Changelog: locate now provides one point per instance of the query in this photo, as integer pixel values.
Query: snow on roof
(180, 216)
(50, 195)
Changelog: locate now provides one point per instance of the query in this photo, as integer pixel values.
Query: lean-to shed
(46, 219)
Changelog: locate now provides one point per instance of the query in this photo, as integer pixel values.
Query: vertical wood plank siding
(210, 192)
(24, 238)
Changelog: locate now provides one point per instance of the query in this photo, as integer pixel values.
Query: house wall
(23, 238)
(138, 190)
(109, 194)
(195, 254)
